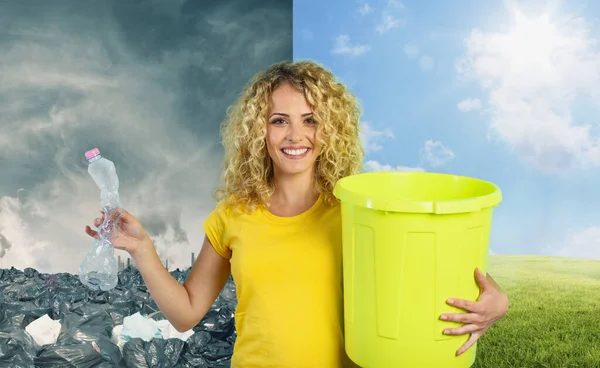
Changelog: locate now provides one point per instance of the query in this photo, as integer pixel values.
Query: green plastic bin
(411, 241)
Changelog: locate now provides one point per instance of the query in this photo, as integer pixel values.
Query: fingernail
(450, 301)
(444, 318)
(445, 332)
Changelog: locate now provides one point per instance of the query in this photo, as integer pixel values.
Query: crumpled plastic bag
(218, 322)
(137, 325)
(146, 328)
(217, 353)
(17, 348)
(154, 353)
(44, 330)
(167, 331)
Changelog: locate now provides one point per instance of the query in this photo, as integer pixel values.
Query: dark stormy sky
(147, 82)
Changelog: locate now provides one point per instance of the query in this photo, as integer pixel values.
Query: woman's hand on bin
(130, 236)
(491, 305)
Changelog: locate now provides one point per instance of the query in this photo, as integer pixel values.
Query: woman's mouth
(295, 153)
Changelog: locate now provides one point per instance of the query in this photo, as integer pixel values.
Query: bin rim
(454, 206)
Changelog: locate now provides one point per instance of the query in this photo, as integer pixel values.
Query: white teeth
(297, 152)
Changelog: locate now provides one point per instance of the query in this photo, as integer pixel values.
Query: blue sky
(501, 90)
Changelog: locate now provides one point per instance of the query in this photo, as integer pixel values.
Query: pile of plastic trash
(55, 321)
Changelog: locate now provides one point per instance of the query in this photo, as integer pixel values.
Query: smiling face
(291, 132)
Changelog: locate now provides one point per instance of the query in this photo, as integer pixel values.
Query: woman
(277, 229)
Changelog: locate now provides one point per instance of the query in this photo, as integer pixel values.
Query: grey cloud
(224, 44)
(158, 224)
(197, 55)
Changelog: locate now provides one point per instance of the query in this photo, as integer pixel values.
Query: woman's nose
(295, 134)
(294, 138)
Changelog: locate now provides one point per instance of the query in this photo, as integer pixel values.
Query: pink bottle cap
(92, 153)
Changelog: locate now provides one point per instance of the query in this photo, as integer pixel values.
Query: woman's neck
(293, 194)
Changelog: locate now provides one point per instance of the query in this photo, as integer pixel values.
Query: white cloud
(426, 63)
(17, 245)
(388, 22)
(436, 154)
(582, 244)
(365, 9)
(343, 45)
(370, 137)
(411, 51)
(534, 76)
(492, 253)
(469, 104)
(376, 166)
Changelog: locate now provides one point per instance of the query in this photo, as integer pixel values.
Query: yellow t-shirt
(288, 275)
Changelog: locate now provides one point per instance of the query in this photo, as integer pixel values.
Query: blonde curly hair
(248, 168)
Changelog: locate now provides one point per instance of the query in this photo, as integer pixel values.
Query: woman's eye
(310, 121)
(278, 121)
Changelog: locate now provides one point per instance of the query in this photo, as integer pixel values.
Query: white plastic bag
(146, 328)
(44, 330)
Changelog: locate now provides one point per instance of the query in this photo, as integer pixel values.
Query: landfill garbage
(88, 319)
(44, 330)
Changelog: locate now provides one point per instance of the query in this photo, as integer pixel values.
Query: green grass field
(554, 317)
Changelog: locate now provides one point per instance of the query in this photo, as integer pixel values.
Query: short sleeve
(214, 227)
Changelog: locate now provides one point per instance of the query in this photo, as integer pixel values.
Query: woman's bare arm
(184, 305)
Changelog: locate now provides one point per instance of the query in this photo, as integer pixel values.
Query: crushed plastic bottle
(98, 270)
